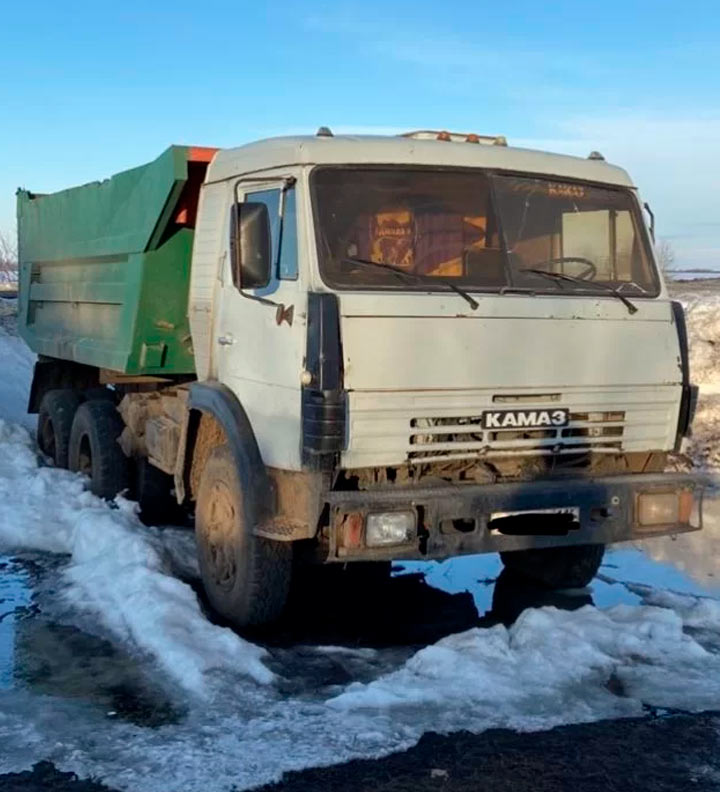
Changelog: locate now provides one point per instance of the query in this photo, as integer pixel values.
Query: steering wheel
(588, 272)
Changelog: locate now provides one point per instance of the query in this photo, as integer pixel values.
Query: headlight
(389, 528)
(664, 508)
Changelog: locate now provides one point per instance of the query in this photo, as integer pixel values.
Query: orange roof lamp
(456, 137)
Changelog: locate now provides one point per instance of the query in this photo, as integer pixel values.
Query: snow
(697, 612)
(704, 444)
(17, 363)
(553, 666)
(120, 569)
(702, 314)
(238, 728)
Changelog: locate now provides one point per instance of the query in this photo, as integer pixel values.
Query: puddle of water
(685, 564)
(42, 656)
(14, 600)
(475, 574)
(63, 661)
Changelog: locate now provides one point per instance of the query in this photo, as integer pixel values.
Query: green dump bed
(105, 268)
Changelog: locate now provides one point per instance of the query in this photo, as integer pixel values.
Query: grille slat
(508, 444)
(448, 429)
(417, 460)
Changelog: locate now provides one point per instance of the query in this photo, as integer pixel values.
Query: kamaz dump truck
(347, 350)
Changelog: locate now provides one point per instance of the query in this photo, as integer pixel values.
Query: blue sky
(90, 88)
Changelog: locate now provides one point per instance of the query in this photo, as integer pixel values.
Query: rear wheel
(246, 577)
(55, 419)
(557, 567)
(94, 448)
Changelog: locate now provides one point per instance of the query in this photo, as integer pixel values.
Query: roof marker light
(456, 137)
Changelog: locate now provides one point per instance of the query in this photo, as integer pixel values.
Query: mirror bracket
(287, 182)
(652, 219)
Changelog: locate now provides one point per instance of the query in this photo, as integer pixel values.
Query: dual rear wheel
(80, 432)
(93, 448)
(55, 419)
(82, 436)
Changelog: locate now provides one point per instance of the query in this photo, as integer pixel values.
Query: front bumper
(457, 519)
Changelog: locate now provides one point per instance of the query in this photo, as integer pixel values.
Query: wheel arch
(218, 402)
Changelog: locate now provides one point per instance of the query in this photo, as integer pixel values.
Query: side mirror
(251, 246)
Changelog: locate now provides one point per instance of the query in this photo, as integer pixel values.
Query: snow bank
(119, 569)
(7, 308)
(704, 444)
(556, 664)
(17, 362)
(698, 612)
(702, 314)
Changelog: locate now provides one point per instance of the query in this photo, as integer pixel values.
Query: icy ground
(110, 667)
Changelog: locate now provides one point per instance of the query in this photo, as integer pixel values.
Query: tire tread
(260, 594)
(58, 406)
(99, 420)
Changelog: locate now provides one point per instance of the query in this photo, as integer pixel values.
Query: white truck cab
(454, 345)
(417, 347)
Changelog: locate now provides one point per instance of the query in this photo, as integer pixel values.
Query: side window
(284, 239)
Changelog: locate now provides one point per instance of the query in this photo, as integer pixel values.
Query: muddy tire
(94, 448)
(55, 419)
(557, 567)
(246, 578)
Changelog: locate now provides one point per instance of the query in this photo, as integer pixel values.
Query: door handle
(226, 340)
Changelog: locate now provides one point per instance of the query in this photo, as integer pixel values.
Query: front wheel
(573, 566)
(246, 577)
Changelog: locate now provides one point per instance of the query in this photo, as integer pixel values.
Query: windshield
(477, 230)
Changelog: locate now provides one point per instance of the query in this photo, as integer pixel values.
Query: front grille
(463, 437)
(392, 428)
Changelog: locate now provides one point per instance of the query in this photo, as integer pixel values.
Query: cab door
(260, 333)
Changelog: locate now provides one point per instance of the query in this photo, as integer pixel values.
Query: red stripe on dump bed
(200, 154)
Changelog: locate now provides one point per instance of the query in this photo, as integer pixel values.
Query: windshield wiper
(414, 277)
(631, 285)
(561, 276)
